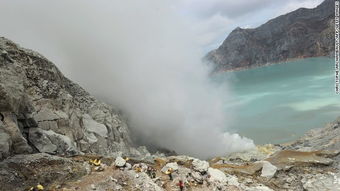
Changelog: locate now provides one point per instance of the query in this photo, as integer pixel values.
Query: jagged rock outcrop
(299, 34)
(46, 112)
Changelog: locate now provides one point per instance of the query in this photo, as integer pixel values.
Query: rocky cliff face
(299, 34)
(45, 112)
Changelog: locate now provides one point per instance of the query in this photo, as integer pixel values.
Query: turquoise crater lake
(279, 103)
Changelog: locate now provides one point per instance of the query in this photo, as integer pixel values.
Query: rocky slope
(311, 163)
(299, 34)
(46, 112)
(54, 134)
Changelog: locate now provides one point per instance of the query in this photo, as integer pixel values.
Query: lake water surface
(279, 103)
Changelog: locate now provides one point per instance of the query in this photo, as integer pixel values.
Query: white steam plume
(137, 55)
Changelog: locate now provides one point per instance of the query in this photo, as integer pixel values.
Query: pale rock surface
(94, 127)
(258, 188)
(232, 180)
(120, 162)
(5, 143)
(143, 181)
(51, 142)
(172, 165)
(329, 181)
(217, 175)
(199, 165)
(268, 170)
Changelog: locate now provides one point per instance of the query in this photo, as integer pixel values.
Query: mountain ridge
(299, 34)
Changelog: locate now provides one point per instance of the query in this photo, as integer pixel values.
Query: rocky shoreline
(264, 65)
(53, 134)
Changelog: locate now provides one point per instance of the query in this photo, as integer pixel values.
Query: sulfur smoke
(137, 55)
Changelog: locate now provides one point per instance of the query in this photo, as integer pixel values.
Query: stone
(197, 177)
(42, 142)
(199, 165)
(99, 168)
(172, 165)
(19, 144)
(94, 127)
(268, 170)
(128, 166)
(232, 180)
(118, 187)
(45, 114)
(327, 181)
(143, 182)
(259, 188)
(143, 166)
(5, 144)
(120, 162)
(51, 142)
(216, 175)
(12, 91)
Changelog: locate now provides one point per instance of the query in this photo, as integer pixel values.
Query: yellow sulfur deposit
(138, 169)
(169, 171)
(40, 187)
(95, 162)
(266, 149)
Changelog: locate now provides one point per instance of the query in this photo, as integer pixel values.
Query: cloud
(292, 5)
(137, 55)
(217, 18)
(208, 30)
(227, 8)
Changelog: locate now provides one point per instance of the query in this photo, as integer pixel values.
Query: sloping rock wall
(46, 112)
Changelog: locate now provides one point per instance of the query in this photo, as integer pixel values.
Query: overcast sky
(210, 21)
(213, 20)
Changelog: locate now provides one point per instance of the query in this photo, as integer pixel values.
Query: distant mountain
(298, 34)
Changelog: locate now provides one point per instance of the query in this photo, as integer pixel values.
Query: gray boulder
(51, 142)
(172, 165)
(329, 181)
(199, 165)
(120, 162)
(5, 143)
(216, 175)
(268, 170)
